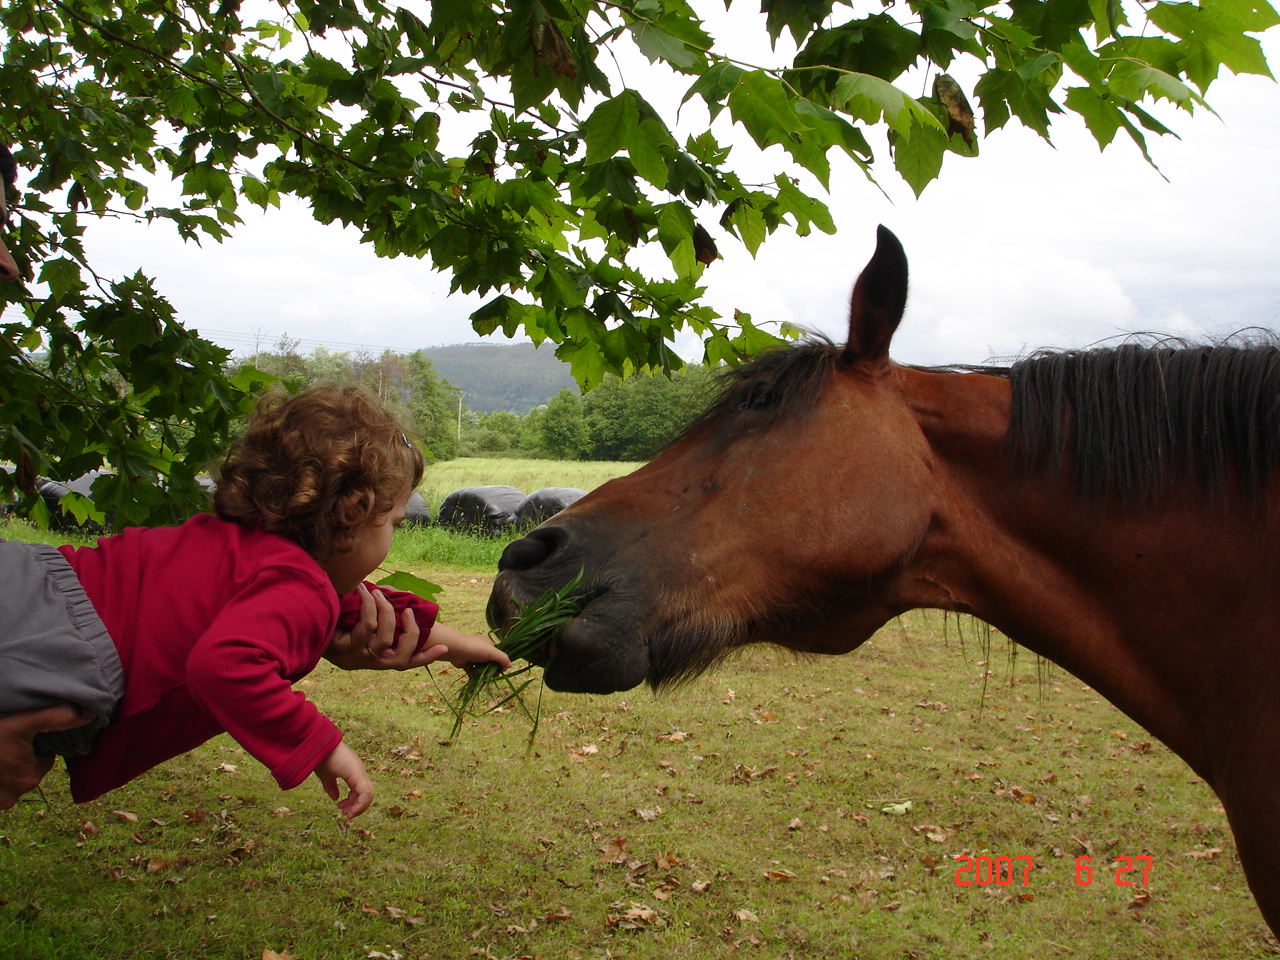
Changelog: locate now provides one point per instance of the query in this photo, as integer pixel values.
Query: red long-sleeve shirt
(214, 624)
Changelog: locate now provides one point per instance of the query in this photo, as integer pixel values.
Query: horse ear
(878, 301)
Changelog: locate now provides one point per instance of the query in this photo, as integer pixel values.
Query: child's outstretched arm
(345, 764)
(373, 643)
(465, 649)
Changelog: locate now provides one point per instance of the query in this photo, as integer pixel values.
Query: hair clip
(406, 441)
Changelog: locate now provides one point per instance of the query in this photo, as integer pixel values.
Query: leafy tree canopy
(502, 142)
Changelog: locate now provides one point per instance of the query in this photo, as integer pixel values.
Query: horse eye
(754, 396)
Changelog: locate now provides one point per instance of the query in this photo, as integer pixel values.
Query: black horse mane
(1128, 420)
(1124, 420)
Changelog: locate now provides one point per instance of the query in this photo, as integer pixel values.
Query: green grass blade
(534, 627)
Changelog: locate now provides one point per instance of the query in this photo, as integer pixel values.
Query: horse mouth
(599, 651)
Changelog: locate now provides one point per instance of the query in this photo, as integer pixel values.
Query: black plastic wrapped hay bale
(488, 510)
(544, 504)
(52, 492)
(416, 511)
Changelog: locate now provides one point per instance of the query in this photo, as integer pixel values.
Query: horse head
(788, 513)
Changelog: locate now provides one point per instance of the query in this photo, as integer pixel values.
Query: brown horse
(1114, 511)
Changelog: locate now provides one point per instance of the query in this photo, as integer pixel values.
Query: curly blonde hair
(316, 467)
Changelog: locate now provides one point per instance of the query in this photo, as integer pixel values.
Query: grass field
(775, 808)
(443, 478)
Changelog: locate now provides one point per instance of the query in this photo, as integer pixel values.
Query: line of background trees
(627, 420)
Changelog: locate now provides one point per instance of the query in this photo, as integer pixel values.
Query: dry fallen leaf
(932, 832)
(1203, 854)
(742, 772)
(1140, 900)
(634, 916)
(615, 849)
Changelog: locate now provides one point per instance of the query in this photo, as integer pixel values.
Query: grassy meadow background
(775, 808)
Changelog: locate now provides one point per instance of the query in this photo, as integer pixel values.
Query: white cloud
(1011, 300)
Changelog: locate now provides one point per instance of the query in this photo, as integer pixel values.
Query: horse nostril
(529, 551)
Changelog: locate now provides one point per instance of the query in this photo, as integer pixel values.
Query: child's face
(370, 547)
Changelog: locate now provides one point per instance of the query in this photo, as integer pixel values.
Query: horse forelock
(1128, 421)
(775, 386)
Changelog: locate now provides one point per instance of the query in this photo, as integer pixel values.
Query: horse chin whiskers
(693, 638)
(681, 649)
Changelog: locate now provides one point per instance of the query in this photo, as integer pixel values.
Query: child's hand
(464, 649)
(344, 764)
(372, 643)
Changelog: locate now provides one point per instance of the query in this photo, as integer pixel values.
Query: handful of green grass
(529, 632)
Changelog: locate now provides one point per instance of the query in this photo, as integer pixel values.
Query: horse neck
(1132, 602)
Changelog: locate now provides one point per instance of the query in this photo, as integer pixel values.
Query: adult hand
(20, 769)
(8, 268)
(372, 643)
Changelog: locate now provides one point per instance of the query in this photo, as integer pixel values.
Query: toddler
(170, 636)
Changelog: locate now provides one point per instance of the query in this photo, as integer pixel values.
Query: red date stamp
(1016, 871)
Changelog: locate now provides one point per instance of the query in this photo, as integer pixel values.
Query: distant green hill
(502, 376)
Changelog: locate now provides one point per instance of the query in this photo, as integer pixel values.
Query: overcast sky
(1026, 246)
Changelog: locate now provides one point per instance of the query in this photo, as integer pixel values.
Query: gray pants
(53, 646)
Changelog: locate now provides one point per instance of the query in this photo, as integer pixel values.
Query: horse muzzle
(602, 650)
